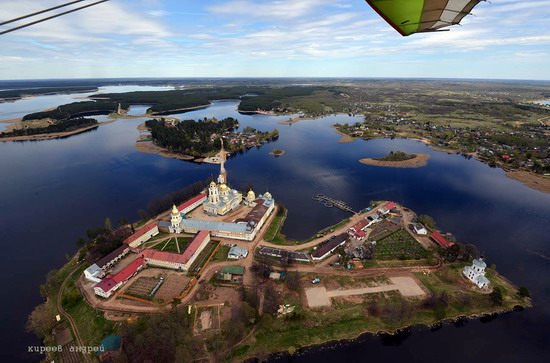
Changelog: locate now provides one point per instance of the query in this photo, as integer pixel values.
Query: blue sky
(284, 38)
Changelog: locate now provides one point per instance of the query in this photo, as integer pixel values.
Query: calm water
(53, 190)
(22, 107)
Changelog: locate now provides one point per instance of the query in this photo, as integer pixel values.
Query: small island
(277, 152)
(199, 140)
(398, 159)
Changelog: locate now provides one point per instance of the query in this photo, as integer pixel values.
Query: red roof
(390, 205)
(140, 232)
(106, 284)
(360, 234)
(111, 281)
(191, 201)
(360, 225)
(163, 256)
(441, 240)
(195, 244)
(128, 271)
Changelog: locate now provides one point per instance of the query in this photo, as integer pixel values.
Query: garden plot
(399, 245)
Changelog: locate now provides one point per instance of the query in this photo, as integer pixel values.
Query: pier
(331, 202)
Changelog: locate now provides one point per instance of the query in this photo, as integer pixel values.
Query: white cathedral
(221, 198)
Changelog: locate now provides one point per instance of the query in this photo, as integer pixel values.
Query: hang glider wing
(418, 16)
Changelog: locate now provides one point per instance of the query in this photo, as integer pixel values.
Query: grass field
(221, 253)
(399, 246)
(174, 244)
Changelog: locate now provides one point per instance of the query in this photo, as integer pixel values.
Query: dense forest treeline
(189, 136)
(61, 126)
(85, 108)
(252, 98)
(19, 93)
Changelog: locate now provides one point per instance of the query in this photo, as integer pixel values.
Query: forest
(85, 108)
(190, 137)
(252, 98)
(61, 126)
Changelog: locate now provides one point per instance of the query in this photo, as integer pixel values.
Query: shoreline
(345, 137)
(148, 147)
(397, 331)
(53, 136)
(418, 161)
(531, 180)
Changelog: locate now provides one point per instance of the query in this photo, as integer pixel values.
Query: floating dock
(331, 202)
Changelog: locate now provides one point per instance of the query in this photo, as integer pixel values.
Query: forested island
(52, 130)
(76, 109)
(201, 138)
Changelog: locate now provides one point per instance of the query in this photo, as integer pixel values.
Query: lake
(53, 190)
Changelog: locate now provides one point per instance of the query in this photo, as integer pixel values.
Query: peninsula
(215, 267)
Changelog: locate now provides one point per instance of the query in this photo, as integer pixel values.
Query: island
(398, 159)
(277, 152)
(500, 123)
(199, 140)
(208, 273)
(47, 129)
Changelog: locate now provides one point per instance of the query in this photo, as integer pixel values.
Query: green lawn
(221, 253)
(170, 245)
(399, 246)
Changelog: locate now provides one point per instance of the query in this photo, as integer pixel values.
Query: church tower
(213, 193)
(175, 220)
(222, 178)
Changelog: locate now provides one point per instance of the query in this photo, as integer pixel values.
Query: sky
(504, 39)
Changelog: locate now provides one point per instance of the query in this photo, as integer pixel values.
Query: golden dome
(223, 187)
(175, 210)
(212, 184)
(251, 194)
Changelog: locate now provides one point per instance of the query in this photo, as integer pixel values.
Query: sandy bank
(145, 145)
(418, 161)
(532, 180)
(345, 137)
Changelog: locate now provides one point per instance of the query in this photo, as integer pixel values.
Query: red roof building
(196, 245)
(111, 283)
(142, 235)
(390, 205)
(175, 260)
(436, 236)
(360, 225)
(192, 203)
(169, 257)
(128, 271)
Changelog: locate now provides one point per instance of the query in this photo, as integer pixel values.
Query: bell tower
(175, 220)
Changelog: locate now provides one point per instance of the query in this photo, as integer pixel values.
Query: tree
(523, 292)
(427, 221)
(293, 281)
(41, 321)
(271, 299)
(496, 296)
(122, 222)
(108, 224)
(81, 242)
